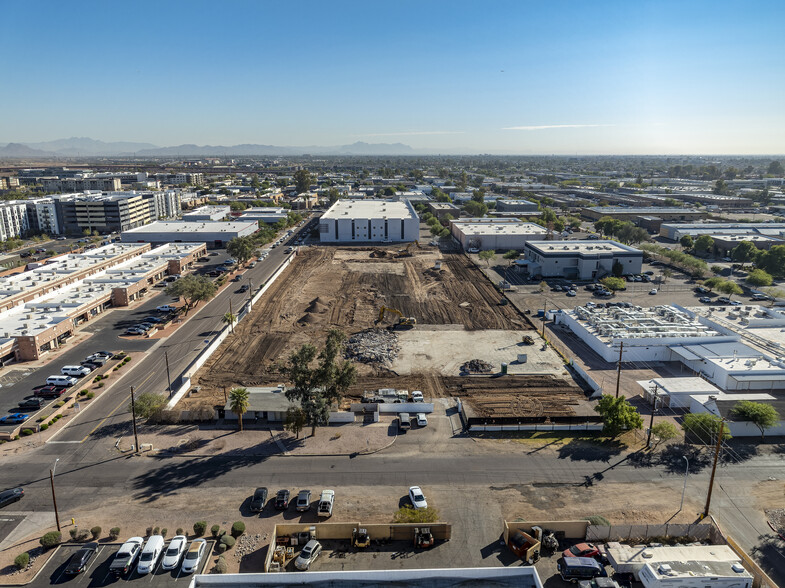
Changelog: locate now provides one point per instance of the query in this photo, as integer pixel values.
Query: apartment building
(13, 219)
(81, 184)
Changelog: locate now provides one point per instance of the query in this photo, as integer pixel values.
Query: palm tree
(238, 402)
(230, 319)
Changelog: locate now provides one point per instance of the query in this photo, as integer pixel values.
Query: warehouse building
(264, 214)
(522, 206)
(676, 231)
(499, 234)
(207, 213)
(633, 213)
(580, 260)
(215, 234)
(375, 221)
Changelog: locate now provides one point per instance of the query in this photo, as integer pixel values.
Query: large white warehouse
(363, 221)
(581, 260)
(213, 233)
(499, 234)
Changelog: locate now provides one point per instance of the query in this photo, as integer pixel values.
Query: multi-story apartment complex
(13, 219)
(81, 184)
(42, 216)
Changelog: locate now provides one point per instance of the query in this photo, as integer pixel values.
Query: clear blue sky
(486, 76)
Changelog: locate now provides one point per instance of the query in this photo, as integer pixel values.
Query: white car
(307, 556)
(166, 308)
(174, 552)
(417, 497)
(473, 250)
(75, 370)
(193, 556)
(422, 420)
(571, 293)
(653, 291)
(417, 396)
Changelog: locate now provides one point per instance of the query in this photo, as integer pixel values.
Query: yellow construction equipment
(403, 321)
(405, 251)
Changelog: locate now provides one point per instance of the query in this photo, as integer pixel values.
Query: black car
(282, 500)
(80, 559)
(31, 403)
(9, 496)
(153, 319)
(258, 500)
(243, 288)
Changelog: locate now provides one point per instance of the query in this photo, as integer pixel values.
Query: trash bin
(504, 368)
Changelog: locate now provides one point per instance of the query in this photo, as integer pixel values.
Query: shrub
(100, 384)
(26, 432)
(95, 532)
(91, 395)
(221, 547)
(115, 368)
(598, 520)
(44, 427)
(16, 437)
(79, 534)
(41, 419)
(199, 528)
(179, 531)
(156, 530)
(149, 531)
(21, 560)
(214, 530)
(96, 379)
(59, 404)
(220, 566)
(127, 359)
(407, 514)
(164, 531)
(50, 539)
(82, 392)
(58, 417)
(114, 533)
(238, 529)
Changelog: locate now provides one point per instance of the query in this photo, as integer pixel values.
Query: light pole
(686, 473)
(54, 498)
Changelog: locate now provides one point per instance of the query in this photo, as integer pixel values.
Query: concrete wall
(571, 529)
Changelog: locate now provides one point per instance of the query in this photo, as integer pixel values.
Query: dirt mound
(316, 306)
(308, 318)
(477, 366)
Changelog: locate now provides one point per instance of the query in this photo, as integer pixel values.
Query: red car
(582, 550)
(49, 391)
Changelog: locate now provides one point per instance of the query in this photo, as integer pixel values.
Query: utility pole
(231, 317)
(250, 294)
(54, 498)
(225, 399)
(618, 368)
(133, 420)
(168, 377)
(653, 410)
(714, 467)
(544, 308)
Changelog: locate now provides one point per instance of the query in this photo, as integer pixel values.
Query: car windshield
(574, 549)
(173, 550)
(192, 555)
(147, 556)
(306, 552)
(419, 497)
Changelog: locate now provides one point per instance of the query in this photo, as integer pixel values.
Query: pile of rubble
(247, 544)
(373, 346)
(477, 366)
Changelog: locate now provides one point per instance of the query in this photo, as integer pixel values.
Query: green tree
(193, 289)
(475, 209)
(775, 169)
(665, 431)
(617, 269)
(512, 254)
(759, 278)
(713, 282)
(744, 252)
(773, 261)
(704, 426)
(720, 187)
(238, 403)
(302, 180)
(333, 195)
(703, 244)
(317, 387)
(148, 405)
(687, 242)
(774, 293)
(618, 415)
(613, 283)
(666, 273)
(487, 256)
(295, 420)
(762, 415)
(229, 319)
(241, 248)
(730, 288)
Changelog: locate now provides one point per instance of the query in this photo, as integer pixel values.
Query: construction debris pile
(373, 346)
(477, 366)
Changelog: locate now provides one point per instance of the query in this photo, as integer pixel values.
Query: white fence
(697, 532)
(539, 427)
(338, 418)
(595, 387)
(216, 342)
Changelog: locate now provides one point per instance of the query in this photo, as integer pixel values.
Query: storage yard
(452, 305)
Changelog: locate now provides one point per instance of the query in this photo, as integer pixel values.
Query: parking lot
(97, 573)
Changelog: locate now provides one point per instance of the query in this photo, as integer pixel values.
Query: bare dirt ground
(345, 288)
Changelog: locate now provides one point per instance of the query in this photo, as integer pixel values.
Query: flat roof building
(580, 260)
(363, 221)
(213, 233)
(510, 205)
(676, 231)
(207, 213)
(264, 214)
(632, 213)
(500, 234)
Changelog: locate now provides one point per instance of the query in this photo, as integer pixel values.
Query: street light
(54, 498)
(686, 473)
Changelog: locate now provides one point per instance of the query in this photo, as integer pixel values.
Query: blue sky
(479, 77)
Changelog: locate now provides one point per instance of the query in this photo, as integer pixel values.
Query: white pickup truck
(326, 501)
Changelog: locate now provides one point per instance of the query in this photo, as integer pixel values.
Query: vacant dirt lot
(345, 288)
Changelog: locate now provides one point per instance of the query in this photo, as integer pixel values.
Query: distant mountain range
(86, 147)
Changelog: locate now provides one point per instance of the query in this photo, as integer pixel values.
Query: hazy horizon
(516, 78)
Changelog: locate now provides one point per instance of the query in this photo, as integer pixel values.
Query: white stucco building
(213, 233)
(209, 212)
(499, 234)
(363, 221)
(580, 260)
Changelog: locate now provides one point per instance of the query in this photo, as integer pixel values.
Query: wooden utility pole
(168, 377)
(618, 368)
(653, 410)
(133, 420)
(231, 317)
(714, 467)
(544, 309)
(54, 499)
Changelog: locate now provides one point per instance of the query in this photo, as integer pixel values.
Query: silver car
(307, 556)
(193, 556)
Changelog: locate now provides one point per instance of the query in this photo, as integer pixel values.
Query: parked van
(404, 421)
(61, 380)
(150, 553)
(574, 569)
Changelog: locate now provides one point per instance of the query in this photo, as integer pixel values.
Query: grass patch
(407, 514)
